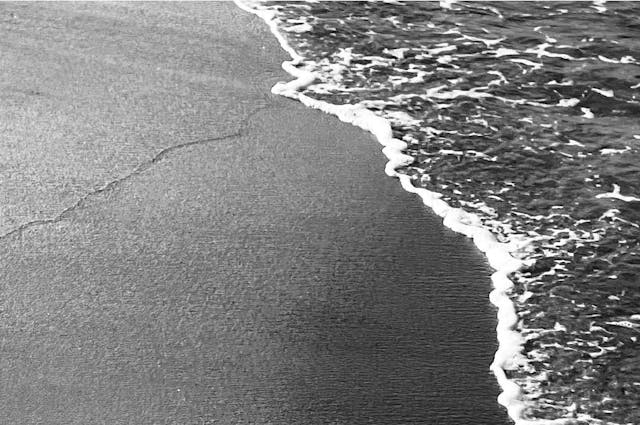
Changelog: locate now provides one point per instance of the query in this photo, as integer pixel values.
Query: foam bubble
(607, 93)
(568, 102)
(586, 113)
(304, 27)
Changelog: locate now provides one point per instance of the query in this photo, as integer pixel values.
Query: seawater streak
(498, 254)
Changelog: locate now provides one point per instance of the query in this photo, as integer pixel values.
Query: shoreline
(267, 273)
(498, 254)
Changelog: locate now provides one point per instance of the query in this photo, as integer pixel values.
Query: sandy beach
(182, 247)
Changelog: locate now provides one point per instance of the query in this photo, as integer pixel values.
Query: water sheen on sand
(248, 264)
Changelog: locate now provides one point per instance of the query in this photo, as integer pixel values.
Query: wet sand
(243, 260)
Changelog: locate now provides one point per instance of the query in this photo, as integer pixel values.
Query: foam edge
(509, 353)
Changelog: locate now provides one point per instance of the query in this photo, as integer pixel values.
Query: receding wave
(518, 124)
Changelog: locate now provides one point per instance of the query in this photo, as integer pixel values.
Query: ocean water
(518, 123)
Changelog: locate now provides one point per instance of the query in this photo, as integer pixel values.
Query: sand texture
(183, 247)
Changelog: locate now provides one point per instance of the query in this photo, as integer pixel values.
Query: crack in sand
(139, 169)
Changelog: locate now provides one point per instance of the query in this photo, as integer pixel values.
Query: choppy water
(526, 114)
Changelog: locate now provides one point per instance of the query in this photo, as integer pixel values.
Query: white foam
(615, 194)
(300, 28)
(611, 151)
(586, 113)
(486, 41)
(599, 6)
(437, 50)
(607, 93)
(624, 324)
(509, 354)
(401, 117)
(397, 53)
(541, 50)
(568, 102)
(534, 65)
(346, 55)
(437, 93)
(624, 59)
(562, 83)
(503, 51)
(446, 4)
(575, 143)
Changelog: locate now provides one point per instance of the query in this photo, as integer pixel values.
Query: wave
(494, 151)
(498, 254)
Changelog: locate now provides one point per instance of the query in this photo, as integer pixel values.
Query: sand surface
(182, 247)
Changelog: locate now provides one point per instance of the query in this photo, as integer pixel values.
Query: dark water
(526, 114)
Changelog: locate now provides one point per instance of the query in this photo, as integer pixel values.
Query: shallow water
(525, 114)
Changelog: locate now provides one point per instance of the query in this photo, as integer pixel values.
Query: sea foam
(499, 255)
